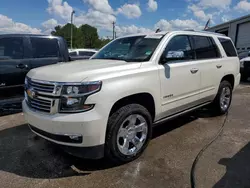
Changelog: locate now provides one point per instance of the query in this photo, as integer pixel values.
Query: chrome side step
(179, 114)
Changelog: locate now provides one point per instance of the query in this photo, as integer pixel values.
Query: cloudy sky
(131, 16)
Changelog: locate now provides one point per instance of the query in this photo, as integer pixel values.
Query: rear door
(45, 51)
(209, 59)
(14, 64)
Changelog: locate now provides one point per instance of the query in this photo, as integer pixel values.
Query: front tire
(128, 133)
(223, 98)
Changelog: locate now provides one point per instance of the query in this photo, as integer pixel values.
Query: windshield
(138, 48)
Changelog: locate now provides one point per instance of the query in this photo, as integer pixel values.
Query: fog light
(74, 137)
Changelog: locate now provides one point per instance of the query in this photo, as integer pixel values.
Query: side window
(85, 53)
(178, 49)
(73, 54)
(91, 53)
(11, 48)
(228, 47)
(205, 47)
(44, 47)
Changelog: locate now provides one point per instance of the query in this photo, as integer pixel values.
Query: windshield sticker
(153, 36)
(148, 53)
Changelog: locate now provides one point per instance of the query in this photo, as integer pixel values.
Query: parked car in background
(107, 106)
(19, 53)
(77, 54)
(244, 65)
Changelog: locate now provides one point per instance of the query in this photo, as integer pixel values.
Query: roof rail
(208, 32)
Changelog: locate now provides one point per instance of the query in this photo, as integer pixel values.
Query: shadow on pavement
(238, 170)
(24, 154)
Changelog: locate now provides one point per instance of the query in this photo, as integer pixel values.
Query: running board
(179, 114)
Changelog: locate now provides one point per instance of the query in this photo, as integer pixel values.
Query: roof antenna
(158, 30)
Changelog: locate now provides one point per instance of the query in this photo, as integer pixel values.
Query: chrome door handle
(218, 66)
(22, 66)
(194, 70)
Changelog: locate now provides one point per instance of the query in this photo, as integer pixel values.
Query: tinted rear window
(228, 47)
(205, 47)
(44, 47)
(11, 48)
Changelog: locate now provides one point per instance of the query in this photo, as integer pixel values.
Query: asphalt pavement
(29, 161)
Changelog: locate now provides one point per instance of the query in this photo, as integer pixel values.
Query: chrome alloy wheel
(225, 98)
(132, 134)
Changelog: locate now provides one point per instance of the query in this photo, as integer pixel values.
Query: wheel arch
(145, 99)
(230, 78)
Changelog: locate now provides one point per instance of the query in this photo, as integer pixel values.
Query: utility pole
(71, 38)
(207, 24)
(113, 30)
(115, 34)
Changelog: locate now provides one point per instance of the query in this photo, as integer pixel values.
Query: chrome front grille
(39, 86)
(42, 96)
(40, 104)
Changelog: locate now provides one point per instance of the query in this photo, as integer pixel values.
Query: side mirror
(173, 55)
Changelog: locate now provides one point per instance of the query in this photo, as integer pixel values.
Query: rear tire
(223, 98)
(123, 142)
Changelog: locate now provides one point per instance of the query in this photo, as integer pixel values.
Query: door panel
(180, 87)
(13, 72)
(209, 58)
(210, 77)
(179, 75)
(14, 65)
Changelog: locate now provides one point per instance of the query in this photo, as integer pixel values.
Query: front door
(180, 76)
(14, 65)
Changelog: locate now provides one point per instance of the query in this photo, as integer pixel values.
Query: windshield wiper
(134, 60)
(112, 58)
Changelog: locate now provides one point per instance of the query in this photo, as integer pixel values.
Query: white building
(238, 30)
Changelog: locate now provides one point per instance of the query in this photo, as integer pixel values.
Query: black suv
(21, 52)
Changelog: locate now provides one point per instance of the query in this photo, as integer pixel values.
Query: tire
(217, 104)
(120, 124)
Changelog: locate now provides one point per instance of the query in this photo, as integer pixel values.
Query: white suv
(107, 106)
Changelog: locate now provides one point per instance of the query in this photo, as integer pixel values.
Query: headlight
(83, 89)
(242, 64)
(74, 96)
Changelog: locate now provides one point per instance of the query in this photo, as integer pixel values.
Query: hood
(77, 71)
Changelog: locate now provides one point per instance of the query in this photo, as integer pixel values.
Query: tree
(65, 32)
(89, 36)
(85, 36)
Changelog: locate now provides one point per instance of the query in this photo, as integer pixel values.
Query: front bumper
(63, 129)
